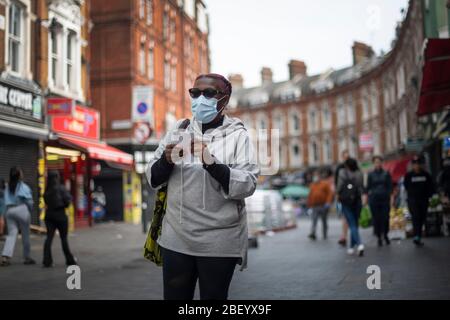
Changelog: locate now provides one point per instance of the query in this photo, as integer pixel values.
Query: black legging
(418, 209)
(62, 225)
(181, 271)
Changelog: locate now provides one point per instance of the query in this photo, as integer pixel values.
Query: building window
(386, 100)
(278, 123)
(403, 127)
(16, 41)
(141, 9)
(173, 78)
(351, 116)
(327, 152)
(150, 64)
(374, 100)
(172, 31)
(294, 122)
(142, 59)
(149, 12)
(365, 107)
(69, 59)
(295, 157)
(342, 144)
(54, 56)
(312, 120)
(64, 48)
(313, 153)
(166, 25)
(166, 75)
(341, 113)
(400, 81)
(326, 117)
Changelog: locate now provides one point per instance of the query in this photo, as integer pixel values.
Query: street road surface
(285, 266)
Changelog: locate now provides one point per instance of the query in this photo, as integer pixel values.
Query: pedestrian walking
(343, 239)
(57, 199)
(204, 230)
(444, 180)
(350, 189)
(2, 207)
(379, 189)
(319, 201)
(18, 203)
(419, 188)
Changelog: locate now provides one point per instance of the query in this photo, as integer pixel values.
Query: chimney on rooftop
(266, 75)
(361, 52)
(237, 81)
(296, 67)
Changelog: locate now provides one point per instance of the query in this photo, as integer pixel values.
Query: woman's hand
(200, 150)
(172, 152)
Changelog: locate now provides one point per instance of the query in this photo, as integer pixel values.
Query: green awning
(295, 191)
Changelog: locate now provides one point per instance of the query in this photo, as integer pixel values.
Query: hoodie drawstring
(181, 196)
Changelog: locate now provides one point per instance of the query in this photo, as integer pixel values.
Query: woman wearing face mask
(18, 203)
(379, 188)
(204, 231)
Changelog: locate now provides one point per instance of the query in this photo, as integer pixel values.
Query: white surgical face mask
(205, 110)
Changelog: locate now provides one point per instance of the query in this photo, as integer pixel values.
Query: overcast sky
(249, 34)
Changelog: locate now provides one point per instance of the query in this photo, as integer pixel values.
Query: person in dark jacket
(444, 179)
(343, 239)
(2, 206)
(419, 187)
(57, 199)
(379, 188)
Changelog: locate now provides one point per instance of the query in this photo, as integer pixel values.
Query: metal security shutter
(17, 151)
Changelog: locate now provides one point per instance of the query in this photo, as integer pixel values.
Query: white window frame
(173, 77)
(25, 40)
(326, 121)
(141, 9)
(167, 75)
(279, 122)
(350, 108)
(69, 22)
(151, 63)
(295, 161)
(401, 85)
(313, 124)
(365, 103)
(313, 161)
(294, 113)
(142, 66)
(342, 143)
(341, 112)
(262, 118)
(327, 150)
(149, 5)
(374, 101)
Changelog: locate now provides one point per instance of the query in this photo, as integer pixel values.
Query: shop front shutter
(22, 152)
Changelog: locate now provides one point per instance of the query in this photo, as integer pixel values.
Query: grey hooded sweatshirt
(201, 219)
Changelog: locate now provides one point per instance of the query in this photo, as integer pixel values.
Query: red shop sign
(84, 122)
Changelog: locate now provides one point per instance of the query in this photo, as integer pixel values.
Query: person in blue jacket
(18, 203)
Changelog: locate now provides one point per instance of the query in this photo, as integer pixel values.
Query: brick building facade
(158, 46)
(321, 115)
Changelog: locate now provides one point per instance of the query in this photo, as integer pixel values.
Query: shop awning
(99, 150)
(397, 168)
(435, 90)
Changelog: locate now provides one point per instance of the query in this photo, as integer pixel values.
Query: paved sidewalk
(286, 266)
